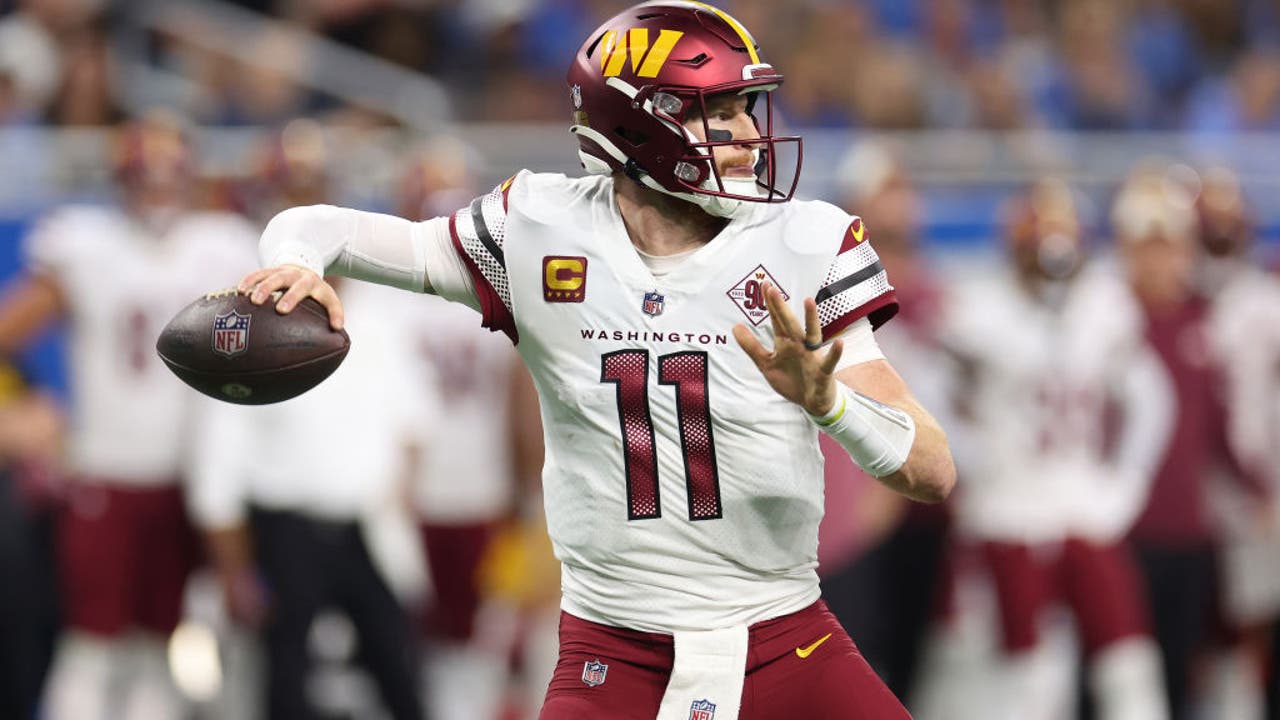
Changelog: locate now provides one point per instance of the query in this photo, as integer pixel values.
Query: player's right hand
(297, 283)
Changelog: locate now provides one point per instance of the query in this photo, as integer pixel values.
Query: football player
(1244, 302)
(1053, 358)
(690, 331)
(117, 275)
(1174, 538)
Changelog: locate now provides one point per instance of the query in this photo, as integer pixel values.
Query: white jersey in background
(467, 475)
(1246, 336)
(671, 465)
(1069, 411)
(122, 284)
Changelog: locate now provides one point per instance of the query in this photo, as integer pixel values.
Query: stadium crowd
(1111, 544)
(887, 64)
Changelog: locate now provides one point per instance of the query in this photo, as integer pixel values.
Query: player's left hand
(797, 367)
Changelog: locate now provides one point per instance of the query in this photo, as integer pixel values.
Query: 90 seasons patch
(748, 294)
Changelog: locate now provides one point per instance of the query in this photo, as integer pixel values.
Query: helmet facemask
(696, 170)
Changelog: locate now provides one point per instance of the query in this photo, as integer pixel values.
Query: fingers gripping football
(797, 367)
(296, 284)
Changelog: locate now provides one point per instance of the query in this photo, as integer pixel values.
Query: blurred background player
(290, 168)
(1176, 538)
(1244, 301)
(881, 556)
(294, 499)
(1053, 349)
(300, 501)
(477, 497)
(116, 276)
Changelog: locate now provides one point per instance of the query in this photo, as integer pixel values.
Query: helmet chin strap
(725, 207)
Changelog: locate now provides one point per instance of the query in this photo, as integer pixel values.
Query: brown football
(228, 348)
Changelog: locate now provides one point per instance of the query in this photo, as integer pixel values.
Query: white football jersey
(467, 476)
(1246, 336)
(682, 492)
(1045, 389)
(122, 285)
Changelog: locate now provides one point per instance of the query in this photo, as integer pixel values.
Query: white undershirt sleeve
(859, 344)
(369, 246)
(447, 274)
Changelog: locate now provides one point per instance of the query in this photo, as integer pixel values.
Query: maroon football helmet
(647, 70)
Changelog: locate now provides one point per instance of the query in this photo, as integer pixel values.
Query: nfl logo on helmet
(231, 334)
(653, 303)
(594, 672)
(702, 710)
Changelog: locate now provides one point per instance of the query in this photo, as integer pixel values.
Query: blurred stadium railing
(963, 176)
(413, 99)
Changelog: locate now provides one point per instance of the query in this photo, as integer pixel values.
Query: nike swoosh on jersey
(805, 652)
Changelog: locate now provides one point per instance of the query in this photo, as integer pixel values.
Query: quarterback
(690, 330)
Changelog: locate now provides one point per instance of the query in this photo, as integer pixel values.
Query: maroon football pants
(1099, 583)
(124, 556)
(792, 671)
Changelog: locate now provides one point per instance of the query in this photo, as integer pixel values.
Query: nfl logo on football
(653, 304)
(231, 334)
(702, 710)
(593, 673)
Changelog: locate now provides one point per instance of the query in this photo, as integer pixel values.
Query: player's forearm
(352, 243)
(929, 472)
(27, 305)
(1148, 402)
(230, 548)
(888, 433)
(899, 443)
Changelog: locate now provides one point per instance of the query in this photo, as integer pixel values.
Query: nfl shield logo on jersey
(653, 303)
(593, 672)
(702, 710)
(231, 334)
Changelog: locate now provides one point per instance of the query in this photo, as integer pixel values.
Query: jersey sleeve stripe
(849, 281)
(856, 286)
(495, 307)
(878, 311)
(482, 231)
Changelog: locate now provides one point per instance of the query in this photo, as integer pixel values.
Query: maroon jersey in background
(1176, 512)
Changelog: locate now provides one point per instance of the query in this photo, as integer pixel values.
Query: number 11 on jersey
(628, 371)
